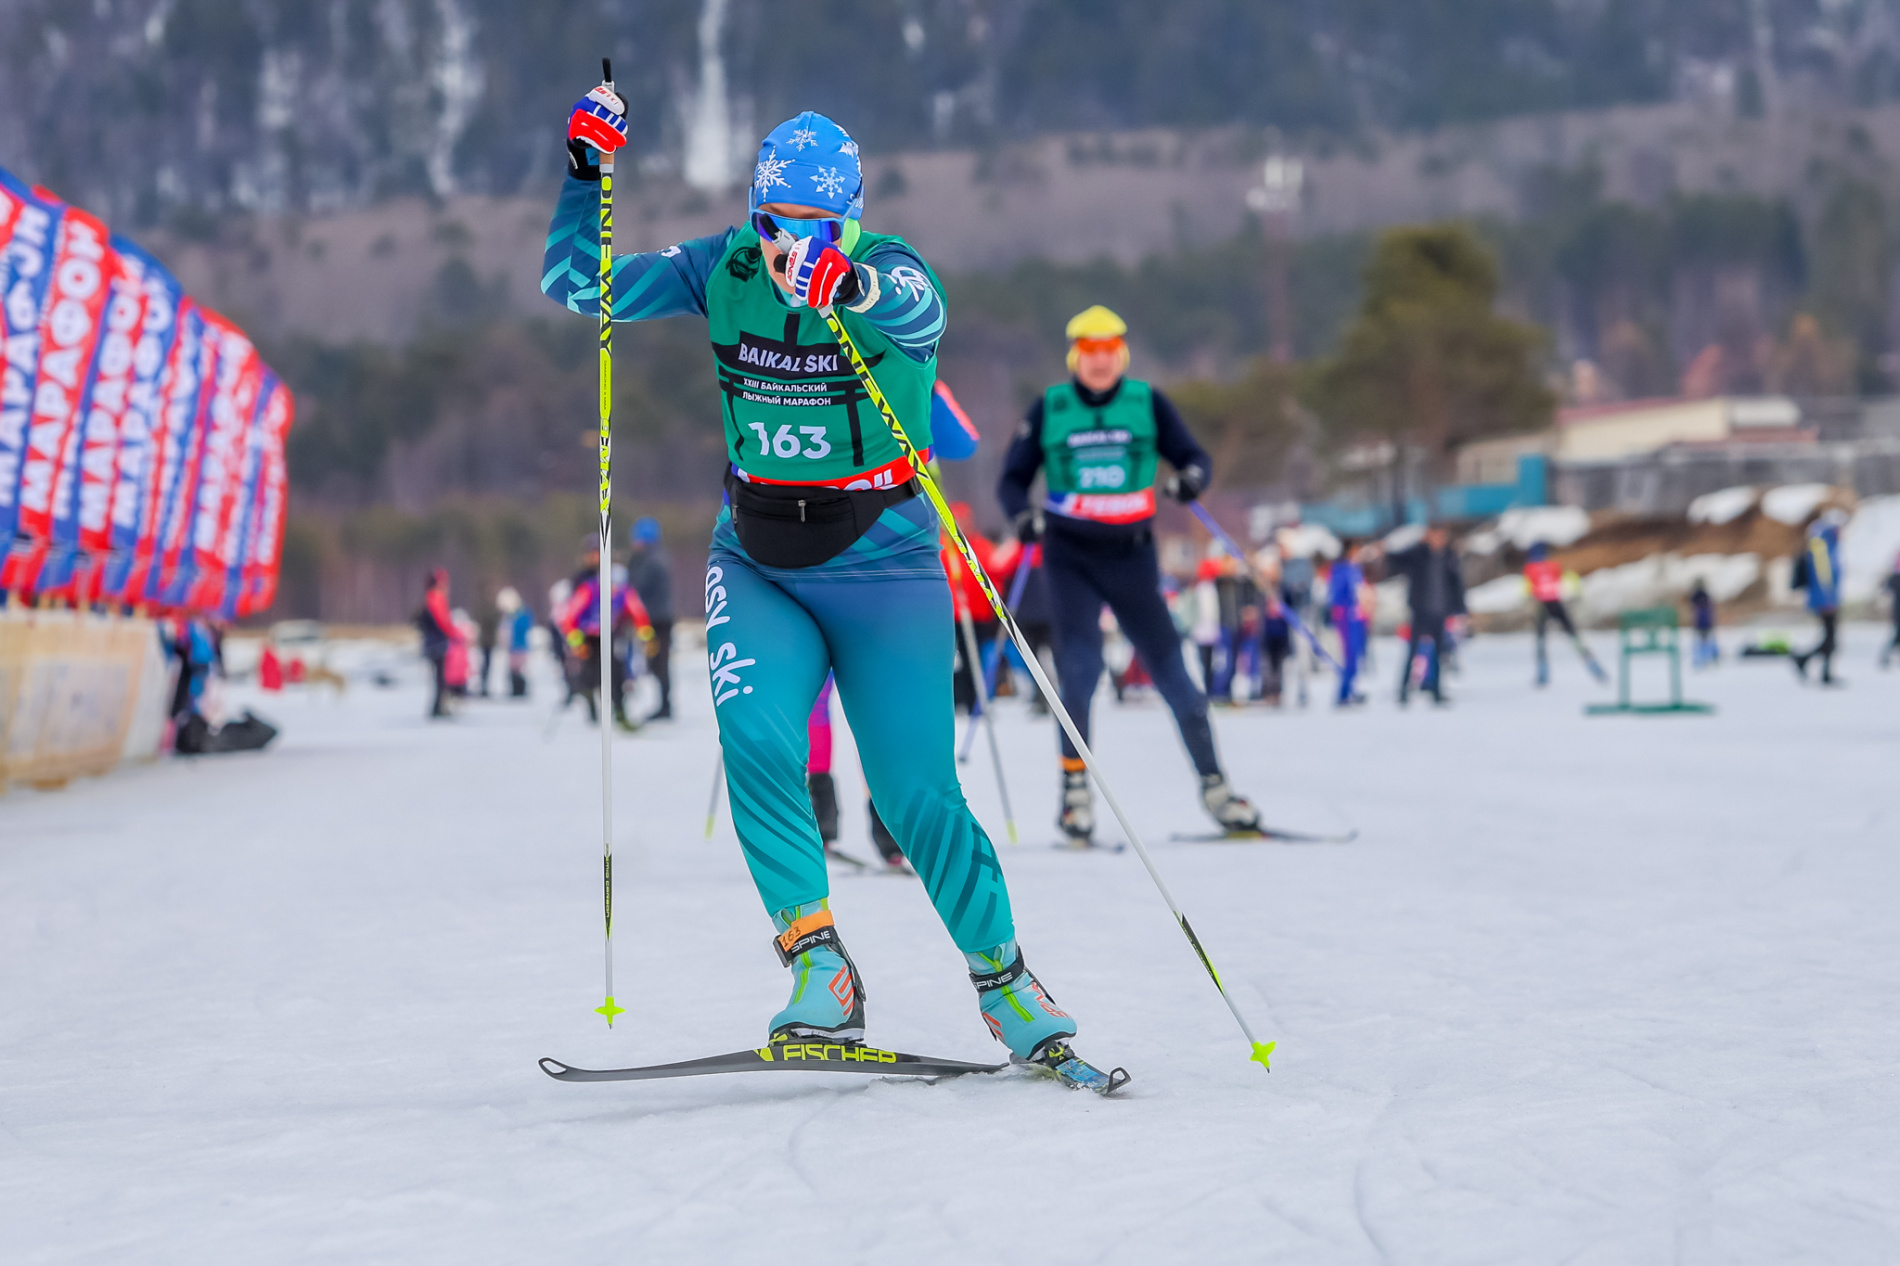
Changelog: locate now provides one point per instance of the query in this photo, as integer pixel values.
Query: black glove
(1028, 526)
(580, 161)
(1185, 485)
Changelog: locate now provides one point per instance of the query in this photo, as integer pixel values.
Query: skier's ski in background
(1266, 834)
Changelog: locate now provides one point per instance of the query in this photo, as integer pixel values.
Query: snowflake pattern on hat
(829, 182)
(811, 161)
(770, 172)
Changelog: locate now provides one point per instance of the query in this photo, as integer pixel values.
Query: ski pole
(1260, 1050)
(712, 801)
(1292, 616)
(605, 304)
(980, 713)
(991, 673)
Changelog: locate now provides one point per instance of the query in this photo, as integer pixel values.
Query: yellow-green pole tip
(610, 1011)
(1260, 1052)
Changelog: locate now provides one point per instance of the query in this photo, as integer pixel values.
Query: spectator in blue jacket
(1818, 570)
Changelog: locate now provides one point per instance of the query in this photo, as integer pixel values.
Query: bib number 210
(785, 444)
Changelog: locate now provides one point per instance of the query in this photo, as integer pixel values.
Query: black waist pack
(792, 525)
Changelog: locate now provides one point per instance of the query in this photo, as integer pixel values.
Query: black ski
(1266, 834)
(788, 1057)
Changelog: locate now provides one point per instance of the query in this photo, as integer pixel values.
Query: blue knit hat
(810, 161)
(646, 531)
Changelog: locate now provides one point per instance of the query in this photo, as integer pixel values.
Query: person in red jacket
(1545, 576)
(439, 633)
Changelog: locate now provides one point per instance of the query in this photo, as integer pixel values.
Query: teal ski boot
(1019, 1011)
(1023, 1017)
(827, 996)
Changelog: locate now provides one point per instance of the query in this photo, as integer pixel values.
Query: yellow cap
(1096, 322)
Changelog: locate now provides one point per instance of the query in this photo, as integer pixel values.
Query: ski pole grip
(607, 71)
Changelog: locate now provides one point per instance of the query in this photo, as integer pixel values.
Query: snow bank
(1662, 579)
(1498, 597)
(1307, 540)
(1793, 503)
(1869, 546)
(1726, 506)
(1555, 526)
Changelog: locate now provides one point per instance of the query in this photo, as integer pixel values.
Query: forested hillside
(146, 108)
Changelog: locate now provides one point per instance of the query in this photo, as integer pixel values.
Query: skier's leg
(1132, 586)
(768, 661)
(1543, 655)
(1076, 609)
(1825, 650)
(890, 647)
(1076, 614)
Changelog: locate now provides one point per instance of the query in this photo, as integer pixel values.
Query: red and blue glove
(821, 275)
(598, 123)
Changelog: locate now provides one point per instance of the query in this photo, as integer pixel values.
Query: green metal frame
(1648, 631)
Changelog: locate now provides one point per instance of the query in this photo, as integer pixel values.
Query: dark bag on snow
(795, 525)
(248, 733)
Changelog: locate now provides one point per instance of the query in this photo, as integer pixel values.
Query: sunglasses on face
(772, 229)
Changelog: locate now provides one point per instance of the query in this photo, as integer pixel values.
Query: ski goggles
(771, 228)
(1092, 345)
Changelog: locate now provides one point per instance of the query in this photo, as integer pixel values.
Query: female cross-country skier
(824, 558)
(1096, 439)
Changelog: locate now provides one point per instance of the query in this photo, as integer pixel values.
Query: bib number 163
(786, 444)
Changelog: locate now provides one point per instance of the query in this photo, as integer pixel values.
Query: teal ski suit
(878, 615)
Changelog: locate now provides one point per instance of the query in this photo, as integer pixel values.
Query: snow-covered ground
(1604, 990)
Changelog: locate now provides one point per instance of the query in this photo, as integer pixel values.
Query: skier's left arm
(897, 297)
(1454, 583)
(1192, 466)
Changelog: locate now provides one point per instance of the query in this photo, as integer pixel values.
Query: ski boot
(1233, 811)
(1018, 1010)
(1022, 1016)
(1077, 819)
(827, 997)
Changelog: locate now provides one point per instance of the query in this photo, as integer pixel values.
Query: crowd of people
(461, 649)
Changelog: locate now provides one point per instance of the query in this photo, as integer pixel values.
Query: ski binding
(1056, 1059)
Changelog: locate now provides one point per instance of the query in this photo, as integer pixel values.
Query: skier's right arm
(1020, 465)
(649, 284)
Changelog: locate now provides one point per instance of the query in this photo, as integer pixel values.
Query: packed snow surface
(1606, 990)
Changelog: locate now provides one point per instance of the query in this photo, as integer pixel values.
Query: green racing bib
(1099, 462)
(794, 411)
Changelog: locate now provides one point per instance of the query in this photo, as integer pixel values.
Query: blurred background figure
(1343, 592)
(652, 579)
(579, 625)
(1893, 612)
(487, 626)
(1702, 616)
(439, 634)
(517, 624)
(1817, 569)
(458, 665)
(1434, 593)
